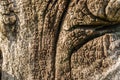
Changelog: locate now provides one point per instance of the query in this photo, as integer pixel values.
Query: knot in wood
(4, 2)
(9, 19)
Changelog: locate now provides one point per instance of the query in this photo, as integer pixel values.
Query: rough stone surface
(60, 39)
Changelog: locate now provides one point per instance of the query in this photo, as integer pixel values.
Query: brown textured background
(60, 39)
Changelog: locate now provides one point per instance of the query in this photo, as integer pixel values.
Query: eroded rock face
(60, 39)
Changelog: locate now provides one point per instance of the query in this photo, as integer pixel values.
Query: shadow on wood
(6, 76)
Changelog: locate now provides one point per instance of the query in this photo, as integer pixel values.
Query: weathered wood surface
(60, 39)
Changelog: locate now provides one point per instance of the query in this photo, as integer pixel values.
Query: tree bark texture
(60, 39)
